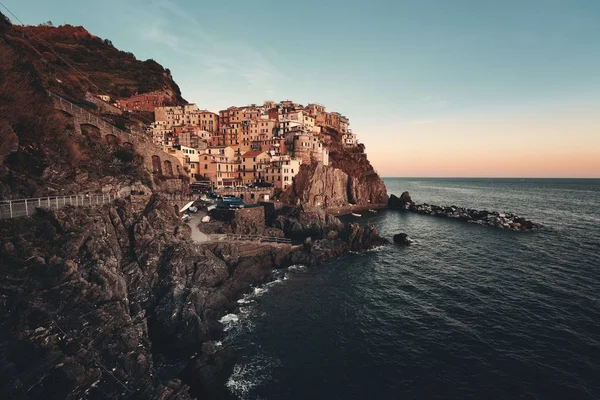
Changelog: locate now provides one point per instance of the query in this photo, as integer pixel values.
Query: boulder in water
(402, 238)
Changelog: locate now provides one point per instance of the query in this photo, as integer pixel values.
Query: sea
(465, 312)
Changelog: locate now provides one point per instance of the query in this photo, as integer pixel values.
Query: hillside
(101, 68)
(42, 150)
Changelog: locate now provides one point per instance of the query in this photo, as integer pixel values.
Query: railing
(249, 238)
(26, 207)
(80, 112)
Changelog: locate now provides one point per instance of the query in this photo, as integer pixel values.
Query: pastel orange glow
(548, 143)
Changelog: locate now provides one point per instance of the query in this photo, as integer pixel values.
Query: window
(205, 166)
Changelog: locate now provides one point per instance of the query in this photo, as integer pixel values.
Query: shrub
(123, 155)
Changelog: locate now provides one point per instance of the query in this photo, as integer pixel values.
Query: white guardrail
(26, 207)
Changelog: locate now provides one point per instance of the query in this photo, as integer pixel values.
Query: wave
(250, 374)
(228, 321)
(297, 267)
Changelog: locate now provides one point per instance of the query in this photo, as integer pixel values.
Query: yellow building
(252, 165)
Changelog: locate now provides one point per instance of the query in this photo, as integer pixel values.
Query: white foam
(249, 375)
(229, 320)
(297, 267)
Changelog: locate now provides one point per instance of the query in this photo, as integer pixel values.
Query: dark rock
(402, 238)
(123, 284)
(305, 221)
(401, 202)
(362, 238)
(405, 198)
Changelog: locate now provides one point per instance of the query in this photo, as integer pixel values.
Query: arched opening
(176, 209)
(112, 140)
(242, 196)
(252, 196)
(91, 131)
(156, 165)
(168, 168)
(128, 145)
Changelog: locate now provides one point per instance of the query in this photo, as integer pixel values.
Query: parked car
(193, 209)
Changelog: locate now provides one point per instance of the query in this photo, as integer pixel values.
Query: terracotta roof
(252, 153)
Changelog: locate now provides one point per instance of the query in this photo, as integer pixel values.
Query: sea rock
(359, 238)
(403, 202)
(403, 239)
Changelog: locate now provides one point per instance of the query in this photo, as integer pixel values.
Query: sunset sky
(433, 87)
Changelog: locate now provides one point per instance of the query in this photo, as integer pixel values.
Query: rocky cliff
(349, 178)
(95, 301)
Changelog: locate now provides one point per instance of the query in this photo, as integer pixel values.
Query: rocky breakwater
(496, 219)
(118, 302)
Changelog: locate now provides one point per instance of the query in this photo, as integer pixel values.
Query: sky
(441, 88)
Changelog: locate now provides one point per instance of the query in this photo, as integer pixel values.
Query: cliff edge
(348, 179)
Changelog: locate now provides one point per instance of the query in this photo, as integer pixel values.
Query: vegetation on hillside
(56, 52)
(40, 153)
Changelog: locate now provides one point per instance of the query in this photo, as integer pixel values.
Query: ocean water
(467, 312)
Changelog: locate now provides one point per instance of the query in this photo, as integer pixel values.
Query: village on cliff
(240, 146)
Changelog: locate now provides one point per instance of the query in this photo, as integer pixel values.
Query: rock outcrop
(318, 185)
(306, 221)
(362, 238)
(94, 301)
(403, 202)
(348, 179)
(402, 238)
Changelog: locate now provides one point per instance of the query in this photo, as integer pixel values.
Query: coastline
(132, 270)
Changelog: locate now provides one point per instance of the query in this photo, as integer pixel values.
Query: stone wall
(165, 166)
(103, 107)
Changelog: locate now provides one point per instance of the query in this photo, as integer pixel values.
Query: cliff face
(92, 299)
(318, 185)
(348, 179)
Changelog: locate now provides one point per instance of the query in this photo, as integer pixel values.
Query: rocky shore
(496, 219)
(118, 302)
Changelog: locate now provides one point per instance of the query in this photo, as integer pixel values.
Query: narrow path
(197, 235)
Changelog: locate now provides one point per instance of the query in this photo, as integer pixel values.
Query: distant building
(144, 102)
